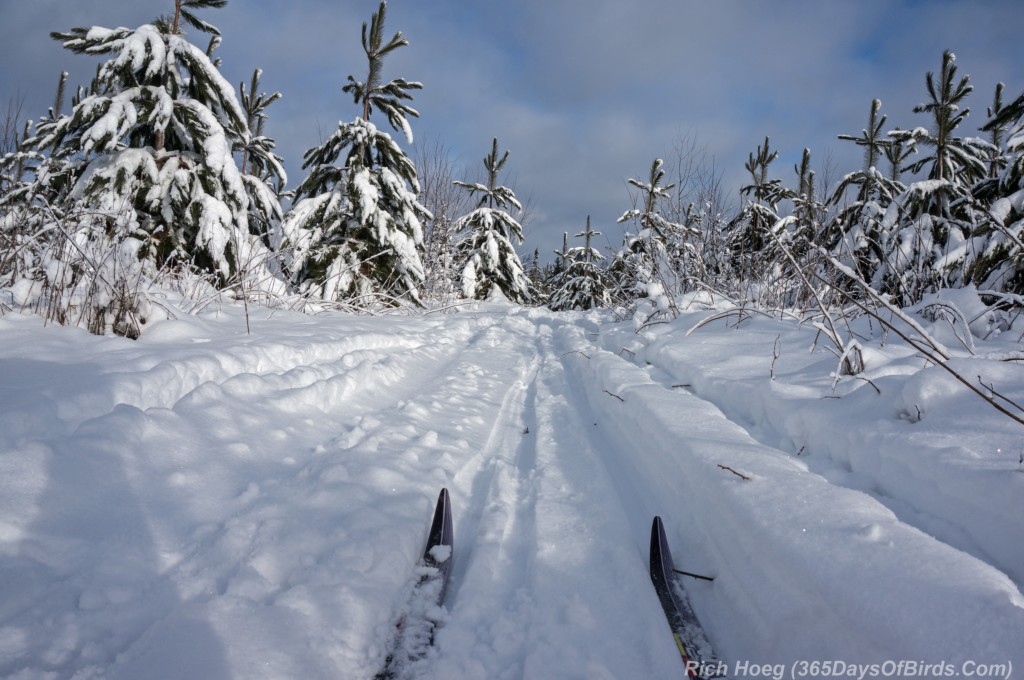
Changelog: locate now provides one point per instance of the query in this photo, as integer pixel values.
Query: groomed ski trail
(254, 506)
(549, 551)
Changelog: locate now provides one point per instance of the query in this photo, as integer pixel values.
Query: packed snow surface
(207, 503)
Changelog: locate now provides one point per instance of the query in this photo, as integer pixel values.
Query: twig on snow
(738, 474)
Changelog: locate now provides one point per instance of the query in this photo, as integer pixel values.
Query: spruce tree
(355, 231)
(562, 263)
(490, 258)
(535, 273)
(582, 285)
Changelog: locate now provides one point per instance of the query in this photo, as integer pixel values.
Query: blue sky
(585, 93)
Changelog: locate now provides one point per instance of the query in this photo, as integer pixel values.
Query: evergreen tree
(807, 209)
(954, 159)
(933, 218)
(262, 170)
(534, 271)
(33, 188)
(582, 285)
(897, 152)
(147, 155)
(356, 228)
(753, 248)
(562, 263)
(643, 267)
(490, 258)
(855, 234)
(998, 262)
(997, 130)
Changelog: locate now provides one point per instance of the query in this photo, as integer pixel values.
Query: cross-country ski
(418, 620)
(694, 649)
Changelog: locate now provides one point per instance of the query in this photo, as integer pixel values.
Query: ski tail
(690, 639)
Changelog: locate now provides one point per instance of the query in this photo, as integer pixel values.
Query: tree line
(161, 176)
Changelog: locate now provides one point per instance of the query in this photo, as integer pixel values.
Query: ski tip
(657, 531)
(660, 555)
(441, 532)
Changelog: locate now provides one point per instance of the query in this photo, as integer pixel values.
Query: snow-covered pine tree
(854, 235)
(148, 153)
(997, 128)
(582, 285)
(954, 159)
(562, 262)
(897, 152)
(753, 248)
(262, 170)
(535, 273)
(490, 257)
(355, 231)
(25, 202)
(807, 209)
(933, 219)
(998, 264)
(33, 183)
(643, 267)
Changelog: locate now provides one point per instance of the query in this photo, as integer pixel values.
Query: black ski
(690, 639)
(415, 628)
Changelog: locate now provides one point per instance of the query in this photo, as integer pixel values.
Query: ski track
(952, 518)
(536, 426)
(526, 603)
(495, 532)
(719, 516)
(204, 405)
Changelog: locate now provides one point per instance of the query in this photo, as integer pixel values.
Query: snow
(120, 116)
(142, 47)
(220, 90)
(207, 503)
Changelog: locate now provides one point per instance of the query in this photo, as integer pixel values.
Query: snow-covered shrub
(79, 272)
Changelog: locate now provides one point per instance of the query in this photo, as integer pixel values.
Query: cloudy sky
(585, 93)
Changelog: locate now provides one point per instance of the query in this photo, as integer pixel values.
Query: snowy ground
(203, 503)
